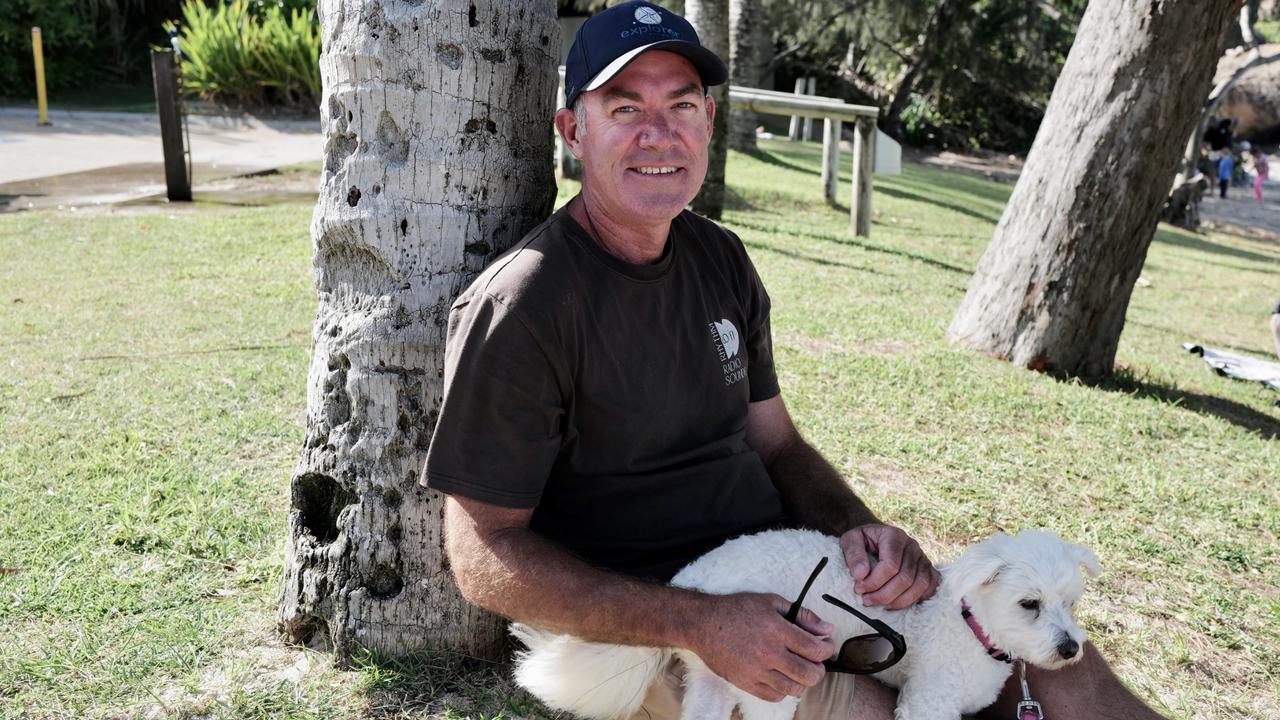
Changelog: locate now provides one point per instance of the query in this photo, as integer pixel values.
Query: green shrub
(251, 55)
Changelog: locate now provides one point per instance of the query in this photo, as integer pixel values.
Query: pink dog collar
(979, 633)
(1028, 709)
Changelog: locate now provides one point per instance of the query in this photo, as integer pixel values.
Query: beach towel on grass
(1240, 367)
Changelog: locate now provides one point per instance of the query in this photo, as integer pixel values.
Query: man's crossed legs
(1087, 689)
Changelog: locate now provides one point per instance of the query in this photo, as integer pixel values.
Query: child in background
(1226, 168)
(1261, 168)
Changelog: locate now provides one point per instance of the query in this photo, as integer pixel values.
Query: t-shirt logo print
(727, 341)
(648, 16)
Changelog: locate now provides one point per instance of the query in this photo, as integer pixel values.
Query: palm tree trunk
(710, 18)
(437, 158)
(746, 37)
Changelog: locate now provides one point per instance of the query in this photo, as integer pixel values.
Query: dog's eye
(1033, 605)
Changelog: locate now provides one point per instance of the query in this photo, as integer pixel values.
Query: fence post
(793, 133)
(165, 77)
(42, 100)
(808, 122)
(830, 158)
(864, 148)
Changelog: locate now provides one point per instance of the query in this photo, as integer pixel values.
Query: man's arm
(506, 568)
(888, 567)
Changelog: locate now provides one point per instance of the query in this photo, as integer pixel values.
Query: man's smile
(657, 170)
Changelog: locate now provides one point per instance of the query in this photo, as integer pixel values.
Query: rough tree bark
(746, 38)
(710, 18)
(1051, 291)
(437, 157)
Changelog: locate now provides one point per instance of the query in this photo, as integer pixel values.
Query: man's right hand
(745, 639)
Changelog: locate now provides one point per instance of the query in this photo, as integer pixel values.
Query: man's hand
(888, 567)
(745, 639)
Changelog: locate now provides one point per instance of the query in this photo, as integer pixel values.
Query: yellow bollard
(41, 100)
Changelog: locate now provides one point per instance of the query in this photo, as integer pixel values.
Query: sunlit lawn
(152, 375)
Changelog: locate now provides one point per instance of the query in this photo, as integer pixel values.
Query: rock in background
(1255, 98)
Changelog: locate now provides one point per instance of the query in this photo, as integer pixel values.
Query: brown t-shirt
(612, 397)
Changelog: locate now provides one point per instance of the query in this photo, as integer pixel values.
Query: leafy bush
(86, 42)
(248, 54)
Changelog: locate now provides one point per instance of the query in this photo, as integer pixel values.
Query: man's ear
(567, 126)
(711, 114)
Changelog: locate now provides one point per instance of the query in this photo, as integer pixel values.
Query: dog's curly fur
(945, 673)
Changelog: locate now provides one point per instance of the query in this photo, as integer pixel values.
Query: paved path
(96, 157)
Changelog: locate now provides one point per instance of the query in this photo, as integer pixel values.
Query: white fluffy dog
(1020, 592)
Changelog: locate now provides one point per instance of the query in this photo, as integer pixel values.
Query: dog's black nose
(1068, 648)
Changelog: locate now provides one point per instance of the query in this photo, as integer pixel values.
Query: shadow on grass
(810, 258)
(734, 201)
(1189, 241)
(1124, 381)
(928, 179)
(427, 683)
(906, 195)
(856, 243)
(769, 158)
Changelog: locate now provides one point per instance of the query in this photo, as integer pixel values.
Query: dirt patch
(813, 346)
(987, 164)
(888, 348)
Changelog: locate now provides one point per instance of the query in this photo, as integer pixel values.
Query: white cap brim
(616, 66)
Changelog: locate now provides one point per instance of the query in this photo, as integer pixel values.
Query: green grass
(152, 401)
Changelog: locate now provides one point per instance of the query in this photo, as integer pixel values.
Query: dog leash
(1028, 709)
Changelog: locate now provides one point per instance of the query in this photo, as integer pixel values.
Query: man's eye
(1033, 605)
(685, 105)
(625, 109)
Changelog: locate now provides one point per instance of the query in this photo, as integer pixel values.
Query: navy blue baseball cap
(608, 41)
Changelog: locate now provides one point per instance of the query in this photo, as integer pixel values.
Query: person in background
(1261, 169)
(1275, 325)
(1226, 168)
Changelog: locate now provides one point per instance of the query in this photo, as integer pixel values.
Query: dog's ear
(1087, 559)
(979, 565)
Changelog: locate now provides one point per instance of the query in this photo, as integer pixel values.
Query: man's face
(644, 147)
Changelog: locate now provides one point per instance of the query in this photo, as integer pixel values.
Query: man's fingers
(795, 675)
(814, 625)
(894, 563)
(919, 590)
(766, 692)
(855, 554)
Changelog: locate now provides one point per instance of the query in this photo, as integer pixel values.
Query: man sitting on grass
(611, 411)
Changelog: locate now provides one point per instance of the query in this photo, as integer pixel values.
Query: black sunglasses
(861, 655)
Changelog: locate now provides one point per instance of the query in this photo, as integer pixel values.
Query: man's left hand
(888, 566)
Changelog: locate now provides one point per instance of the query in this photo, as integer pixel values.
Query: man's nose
(1068, 648)
(658, 133)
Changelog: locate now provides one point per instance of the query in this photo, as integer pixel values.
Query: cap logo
(648, 16)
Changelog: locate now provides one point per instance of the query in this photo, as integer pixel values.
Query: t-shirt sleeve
(760, 371)
(500, 424)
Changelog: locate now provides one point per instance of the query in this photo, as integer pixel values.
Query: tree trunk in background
(939, 24)
(746, 37)
(1052, 289)
(437, 158)
(710, 18)
(1182, 207)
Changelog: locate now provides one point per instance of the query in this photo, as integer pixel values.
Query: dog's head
(1023, 591)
